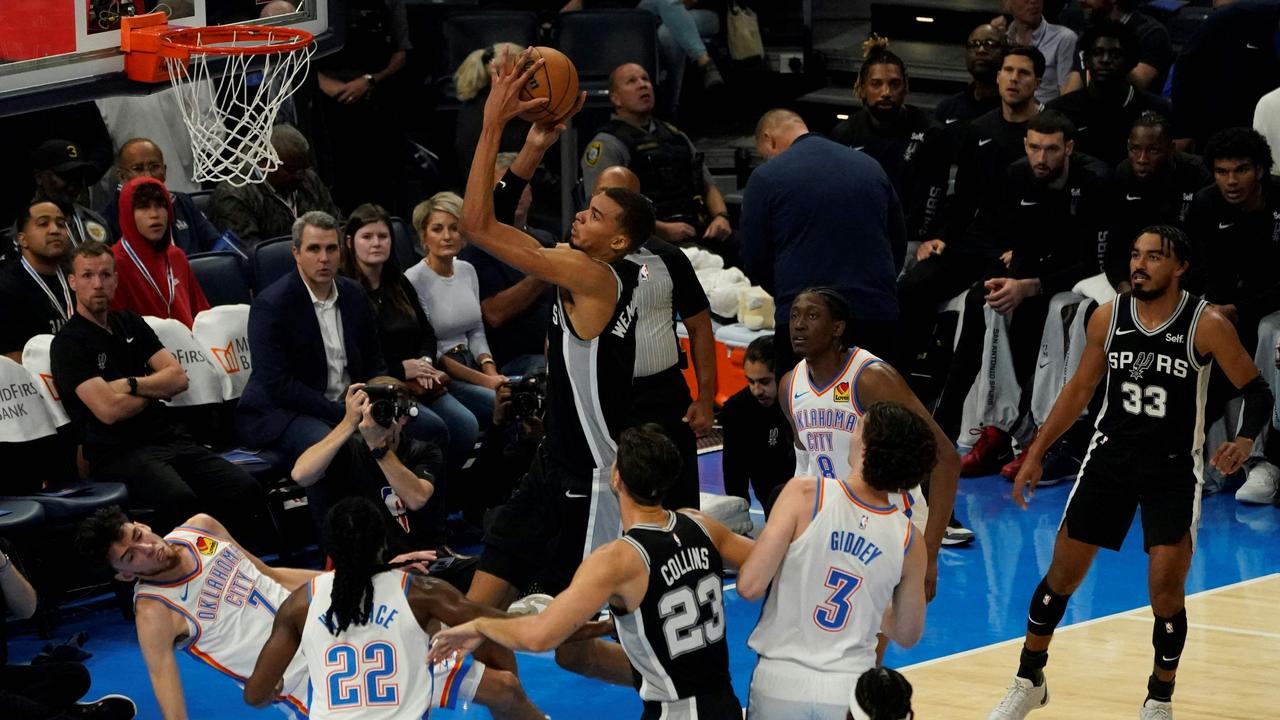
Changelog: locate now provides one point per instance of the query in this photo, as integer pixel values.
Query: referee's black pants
(664, 398)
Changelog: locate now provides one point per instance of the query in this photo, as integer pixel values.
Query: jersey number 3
(679, 610)
(344, 679)
(833, 614)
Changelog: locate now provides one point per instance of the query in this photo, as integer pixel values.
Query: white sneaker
(1022, 698)
(529, 604)
(1260, 485)
(1156, 710)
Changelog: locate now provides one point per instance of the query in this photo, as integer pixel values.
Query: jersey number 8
(344, 685)
(679, 609)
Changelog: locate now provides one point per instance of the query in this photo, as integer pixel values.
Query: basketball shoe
(1156, 710)
(1259, 487)
(993, 449)
(1023, 697)
(107, 707)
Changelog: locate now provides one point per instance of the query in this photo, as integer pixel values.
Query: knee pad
(1046, 611)
(1168, 637)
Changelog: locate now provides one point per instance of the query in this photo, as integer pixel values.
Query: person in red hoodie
(155, 278)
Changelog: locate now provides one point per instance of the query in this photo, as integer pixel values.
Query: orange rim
(211, 40)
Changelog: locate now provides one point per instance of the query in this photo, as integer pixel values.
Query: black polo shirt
(28, 310)
(1102, 125)
(354, 468)
(81, 351)
(956, 112)
(758, 446)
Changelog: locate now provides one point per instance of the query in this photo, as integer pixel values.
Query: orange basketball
(556, 80)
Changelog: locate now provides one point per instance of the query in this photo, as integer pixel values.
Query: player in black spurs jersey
(562, 509)
(662, 581)
(1156, 346)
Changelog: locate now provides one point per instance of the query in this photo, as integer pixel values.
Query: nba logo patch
(644, 272)
(842, 392)
(862, 522)
(206, 546)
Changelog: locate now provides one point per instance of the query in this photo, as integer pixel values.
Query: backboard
(55, 52)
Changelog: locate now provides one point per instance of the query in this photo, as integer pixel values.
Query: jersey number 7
(833, 614)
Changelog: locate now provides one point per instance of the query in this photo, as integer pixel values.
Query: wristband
(488, 361)
(133, 385)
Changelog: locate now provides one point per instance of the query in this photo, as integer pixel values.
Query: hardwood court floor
(1099, 668)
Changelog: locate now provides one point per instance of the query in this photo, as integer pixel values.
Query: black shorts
(540, 532)
(1114, 482)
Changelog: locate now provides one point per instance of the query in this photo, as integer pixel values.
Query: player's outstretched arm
(263, 685)
(1071, 402)
(155, 622)
(796, 499)
(289, 578)
(614, 571)
(734, 549)
(907, 624)
(1216, 336)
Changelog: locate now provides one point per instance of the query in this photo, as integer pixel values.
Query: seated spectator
(311, 333)
(914, 150)
(1154, 185)
(983, 53)
(34, 291)
(367, 454)
(516, 307)
(1029, 28)
(450, 294)
(155, 278)
(945, 267)
(266, 210)
(758, 447)
(112, 372)
(62, 173)
(1103, 110)
(690, 209)
(471, 87)
(50, 689)
(192, 231)
(1153, 55)
(1045, 228)
(407, 337)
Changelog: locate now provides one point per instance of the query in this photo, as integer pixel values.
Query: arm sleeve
(424, 459)
(70, 364)
(506, 196)
(604, 151)
(755, 232)
(145, 341)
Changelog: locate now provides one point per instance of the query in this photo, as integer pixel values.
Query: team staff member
(689, 207)
(34, 291)
(983, 54)
(914, 150)
(758, 446)
(1156, 347)
(668, 289)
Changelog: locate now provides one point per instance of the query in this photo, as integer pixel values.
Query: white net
(230, 102)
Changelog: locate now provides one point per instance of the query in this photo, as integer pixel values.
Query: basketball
(556, 80)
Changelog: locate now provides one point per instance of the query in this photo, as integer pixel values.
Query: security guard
(690, 209)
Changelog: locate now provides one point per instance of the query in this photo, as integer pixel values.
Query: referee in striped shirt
(669, 288)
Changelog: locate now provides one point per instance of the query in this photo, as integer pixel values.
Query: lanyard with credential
(62, 310)
(168, 301)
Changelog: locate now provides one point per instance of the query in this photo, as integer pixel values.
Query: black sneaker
(1061, 463)
(107, 707)
(957, 534)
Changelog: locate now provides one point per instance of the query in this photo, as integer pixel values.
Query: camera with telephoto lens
(528, 396)
(388, 403)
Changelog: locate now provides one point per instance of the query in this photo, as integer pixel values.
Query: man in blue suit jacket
(311, 334)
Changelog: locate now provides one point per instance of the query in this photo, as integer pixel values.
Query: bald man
(140, 157)
(690, 209)
(668, 290)
(796, 232)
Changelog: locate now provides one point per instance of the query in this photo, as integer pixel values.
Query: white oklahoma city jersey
(825, 417)
(826, 604)
(229, 607)
(375, 670)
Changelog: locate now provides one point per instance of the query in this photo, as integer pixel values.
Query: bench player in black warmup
(663, 583)
(562, 509)
(1156, 346)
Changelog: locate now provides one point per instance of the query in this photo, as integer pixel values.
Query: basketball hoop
(230, 82)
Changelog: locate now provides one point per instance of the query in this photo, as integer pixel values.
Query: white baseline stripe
(1086, 623)
(1214, 628)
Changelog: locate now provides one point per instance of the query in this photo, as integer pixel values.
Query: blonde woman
(471, 86)
(450, 295)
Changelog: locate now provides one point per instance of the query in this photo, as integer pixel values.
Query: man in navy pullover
(820, 213)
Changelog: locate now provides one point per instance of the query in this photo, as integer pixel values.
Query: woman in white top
(450, 295)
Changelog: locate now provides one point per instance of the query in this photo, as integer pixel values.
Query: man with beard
(34, 291)
(1045, 227)
(1154, 185)
(62, 172)
(1154, 52)
(983, 53)
(1156, 348)
(1105, 108)
(914, 150)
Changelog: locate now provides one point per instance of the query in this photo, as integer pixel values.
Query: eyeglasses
(988, 44)
(146, 167)
(1106, 52)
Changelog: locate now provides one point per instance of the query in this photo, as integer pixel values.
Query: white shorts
(454, 682)
(781, 689)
